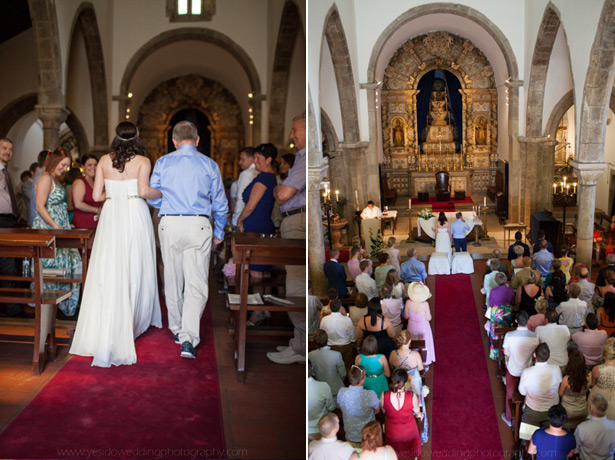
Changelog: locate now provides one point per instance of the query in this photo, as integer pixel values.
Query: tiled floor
(263, 418)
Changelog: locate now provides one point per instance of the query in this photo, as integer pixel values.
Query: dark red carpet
(164, 406)
(464, 419)
(444, 206)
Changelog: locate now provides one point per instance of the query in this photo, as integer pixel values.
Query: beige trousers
(185, 244)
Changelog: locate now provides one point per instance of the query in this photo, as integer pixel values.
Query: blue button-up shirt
(191, 184)
(542, 262)
(296, 179)
(413, 270)
(458, 229)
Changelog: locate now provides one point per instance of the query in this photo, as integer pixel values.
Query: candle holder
(357, 218)
(410, 237)
(566, 199)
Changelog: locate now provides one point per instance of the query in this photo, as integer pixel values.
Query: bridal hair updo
(125, 145)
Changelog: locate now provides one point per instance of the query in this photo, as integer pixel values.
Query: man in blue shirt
(413, 269)
(542, 260)
(192, 192)
(458, 230)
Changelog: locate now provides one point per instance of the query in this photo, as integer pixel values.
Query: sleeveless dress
(528, 304)
(605, 385)
(418, 324)
(576, 407)
(443, 242)
(83, 219)
(385, 344)
(566, 269)
(375, 379)
(415, 384)
(401, 430)
(605, 324)
(67, 259)
(120, 297)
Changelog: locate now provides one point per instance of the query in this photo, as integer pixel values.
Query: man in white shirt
(540, 385)
(587, 288)
(591, 340)
(340, 331)
(320, 402)
(328, 447)
(371, 211)
(364, 282)
(248, 173)
(519, 345)
(596, 436)
(557, 337)
(573, 310)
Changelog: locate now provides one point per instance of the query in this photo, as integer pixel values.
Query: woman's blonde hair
(608, 350)
(402, 338)
(542, 305)
(391, 242)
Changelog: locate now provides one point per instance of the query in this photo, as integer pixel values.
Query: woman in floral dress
(52, 212)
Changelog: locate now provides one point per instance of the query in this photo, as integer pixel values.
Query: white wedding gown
(443, 242)
(120, 296)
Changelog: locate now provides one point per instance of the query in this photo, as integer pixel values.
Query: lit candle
(356, 198)
(567, 189)
(575, 187)
(554, 187)
(410, 203)
(337, 195)
(484, 201)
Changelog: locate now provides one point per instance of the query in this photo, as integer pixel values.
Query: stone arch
(13, 111)
(76, 128)
(86, 20)
(208, 96)
(328, 132)
(290, 25)
(560, 109)
(538, 70)
(342, 66)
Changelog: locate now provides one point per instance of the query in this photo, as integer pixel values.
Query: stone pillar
(52, 117)
(357, 174)
(316, 238)
(588, 175)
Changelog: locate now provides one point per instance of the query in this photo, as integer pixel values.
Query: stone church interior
(74, 70)
(459, 149)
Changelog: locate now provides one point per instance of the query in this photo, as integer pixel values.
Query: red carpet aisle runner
(464, 423)
(164, 406)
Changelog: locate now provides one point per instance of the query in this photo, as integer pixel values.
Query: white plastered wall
(604, 199)
(78, 88)
(329, 94)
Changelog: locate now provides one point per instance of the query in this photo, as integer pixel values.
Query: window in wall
(191, 10)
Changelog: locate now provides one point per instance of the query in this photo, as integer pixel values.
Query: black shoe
(187, 350)
(176, 338)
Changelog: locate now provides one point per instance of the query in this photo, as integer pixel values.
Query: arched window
(191, 10)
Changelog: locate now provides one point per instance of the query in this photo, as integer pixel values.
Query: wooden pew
(36, 247)
(249, 249)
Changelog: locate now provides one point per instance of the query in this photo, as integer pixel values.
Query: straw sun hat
(418, 292)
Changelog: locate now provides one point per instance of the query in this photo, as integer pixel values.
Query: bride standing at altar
(443, 236)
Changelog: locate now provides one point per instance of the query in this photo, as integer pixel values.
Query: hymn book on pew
(253, 299)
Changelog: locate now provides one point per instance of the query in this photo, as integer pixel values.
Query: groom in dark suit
(335, 273)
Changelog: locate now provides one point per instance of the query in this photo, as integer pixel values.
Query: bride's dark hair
(442, 218)
(126, 145)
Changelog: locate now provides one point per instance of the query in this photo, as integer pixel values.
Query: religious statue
(480, 131)
(398, 134)
(440, 139)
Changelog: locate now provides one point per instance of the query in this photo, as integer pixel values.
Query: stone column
(357, 176)
(316, 238)
(588, 175)
(52, 117)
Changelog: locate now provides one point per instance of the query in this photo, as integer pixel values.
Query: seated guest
(353, 263)
(413, 269)
(327, 365)
(557, 337)
(393, 252)
(572, 311)
(528, 293)
(340, 331)
(489, 279)
(503, 267)
(359, 309)
(521, 276)
(314, 309)
(587, 288)
(400, 409)
(371, 211)
(573, 390)
(539, 319)
(500, 301)
(610, 260)
(335, 273)
(609, 281)
(606, 314)
(596, 436)
(378, 325)
(419, 315)
(332, 295)
(603, 377)
(391, 308)
(542, 260)
(557, 290)
(553, 442)
(591, 340)
(574, 272)
(364, 282)
(328, 447)
(541, 238)
(398, 290)
(517, 262)
(380, 274)
(359, 406)
(567, 262)
(319, 403)
(540, 386)
(376, 366)
(519, 345)
(556, 267)
(518, 242)
(372, 447)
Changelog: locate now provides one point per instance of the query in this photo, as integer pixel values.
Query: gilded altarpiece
(471, 163)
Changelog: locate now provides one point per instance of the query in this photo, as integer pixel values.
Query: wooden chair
(389, 195)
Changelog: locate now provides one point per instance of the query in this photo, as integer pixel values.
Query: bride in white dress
(120, 296)
(443, 236)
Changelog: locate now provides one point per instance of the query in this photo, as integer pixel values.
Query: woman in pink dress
(418, 314)
(400, 408)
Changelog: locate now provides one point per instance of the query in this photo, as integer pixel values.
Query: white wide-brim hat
(418, 292)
